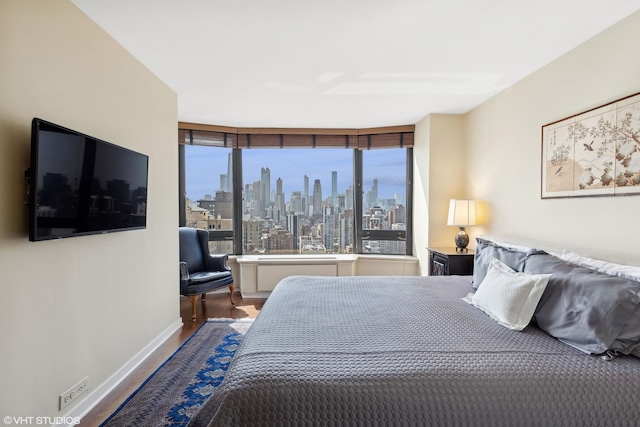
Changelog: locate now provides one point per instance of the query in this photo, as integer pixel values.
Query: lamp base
(462, 240)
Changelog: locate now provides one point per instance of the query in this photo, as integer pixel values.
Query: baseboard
(112, 382)
(259, 294)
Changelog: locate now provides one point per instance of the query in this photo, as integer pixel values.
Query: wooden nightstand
(448, 262)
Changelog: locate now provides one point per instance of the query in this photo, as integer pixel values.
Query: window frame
(389, 235)
(364, 142)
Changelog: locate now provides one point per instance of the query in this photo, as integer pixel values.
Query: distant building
(329, 228)
(223, 204)
(265, 188)
(311, 245)
(197, 217)
(348, 198)
(317, 198)
(334, 188)
(294, 230)
(281, 241)
(251, 235)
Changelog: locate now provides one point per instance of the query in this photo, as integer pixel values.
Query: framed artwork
(594, 153)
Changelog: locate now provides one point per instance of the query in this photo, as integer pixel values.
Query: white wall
(503, 142)
(82, 306)
(439, 175)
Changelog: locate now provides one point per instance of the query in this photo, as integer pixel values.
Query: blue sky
(205, 164)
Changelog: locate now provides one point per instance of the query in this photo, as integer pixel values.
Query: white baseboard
(112, 382)
(259, 294)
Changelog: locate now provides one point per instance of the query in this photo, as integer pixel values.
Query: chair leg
(232, 288)
(204, 296)
(193, 299)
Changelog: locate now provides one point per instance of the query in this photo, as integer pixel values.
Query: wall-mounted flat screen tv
(81, 185)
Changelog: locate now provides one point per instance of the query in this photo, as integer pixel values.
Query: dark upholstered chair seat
(208, 276)
(200, 271)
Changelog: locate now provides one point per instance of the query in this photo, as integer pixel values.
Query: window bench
(259, 274)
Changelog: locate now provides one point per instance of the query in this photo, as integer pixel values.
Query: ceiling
(344, 63)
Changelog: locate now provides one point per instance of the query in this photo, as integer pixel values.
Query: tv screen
(81, 185)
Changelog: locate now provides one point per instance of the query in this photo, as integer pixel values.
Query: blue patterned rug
(179, 387)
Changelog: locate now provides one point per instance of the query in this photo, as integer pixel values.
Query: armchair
(200, 271)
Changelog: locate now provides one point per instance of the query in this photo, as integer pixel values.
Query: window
(300, 193)
(384, 201)
(297, 200)
(208, 188)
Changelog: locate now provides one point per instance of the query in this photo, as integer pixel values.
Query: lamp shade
(462, 212)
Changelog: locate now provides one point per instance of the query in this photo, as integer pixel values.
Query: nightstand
(448, 262)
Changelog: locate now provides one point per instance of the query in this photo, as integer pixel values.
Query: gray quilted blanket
(406, 351)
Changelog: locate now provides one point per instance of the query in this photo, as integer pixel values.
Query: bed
(408, 351)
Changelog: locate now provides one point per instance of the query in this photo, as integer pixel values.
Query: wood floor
(215, 305)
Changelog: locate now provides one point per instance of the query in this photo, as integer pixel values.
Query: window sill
(259, 274)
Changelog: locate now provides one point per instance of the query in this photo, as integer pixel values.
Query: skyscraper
(372, 195)
(294, 230)
(348, 198)
(229, 186)
(374, 189)
(226, 179)
(317, 197)
(305, 195)
(295, 202)
(265, 188)
(328, 228)
(280, 197)
(334, 188)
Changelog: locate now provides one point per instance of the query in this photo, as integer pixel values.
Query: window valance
(362, 139)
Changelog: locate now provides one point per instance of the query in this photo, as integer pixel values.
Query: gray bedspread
(406, 351)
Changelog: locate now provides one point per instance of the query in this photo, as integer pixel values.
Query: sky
(205, 164)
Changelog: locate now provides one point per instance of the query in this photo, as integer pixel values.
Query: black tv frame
(81, 224)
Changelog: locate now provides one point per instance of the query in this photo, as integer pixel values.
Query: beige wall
(85, 306)
(82, 306)
(439, 175)
(503, 144)
(492, 154)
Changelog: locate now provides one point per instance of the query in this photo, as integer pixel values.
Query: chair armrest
(184, 271)
(184, 278)
(216, 262)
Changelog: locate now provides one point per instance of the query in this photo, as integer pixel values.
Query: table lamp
(462, 213)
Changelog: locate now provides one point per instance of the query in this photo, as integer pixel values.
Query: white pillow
(509, 297)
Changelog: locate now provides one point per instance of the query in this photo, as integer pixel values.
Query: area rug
(174, 393)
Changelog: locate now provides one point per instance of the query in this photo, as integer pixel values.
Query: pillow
(630, 272)
(481, 260)
(504, 242)
(508, 297)
(586, 309)
(487, 251)
(628, 340)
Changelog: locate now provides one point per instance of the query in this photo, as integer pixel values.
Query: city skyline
(206, 165)
(297, 201)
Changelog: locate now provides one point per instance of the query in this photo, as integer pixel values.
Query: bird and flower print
(593, 153)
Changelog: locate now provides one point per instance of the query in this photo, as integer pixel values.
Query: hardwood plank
(215, 305)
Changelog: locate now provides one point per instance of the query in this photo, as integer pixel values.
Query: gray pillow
(628, 341)
(486, 251)
(586, 309)
(636, 351)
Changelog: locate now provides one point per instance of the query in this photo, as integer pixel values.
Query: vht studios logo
(41, 420)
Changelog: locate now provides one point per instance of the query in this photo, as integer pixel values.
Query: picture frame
(593, 153)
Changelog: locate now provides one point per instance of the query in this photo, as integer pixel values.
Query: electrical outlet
(74, 392)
